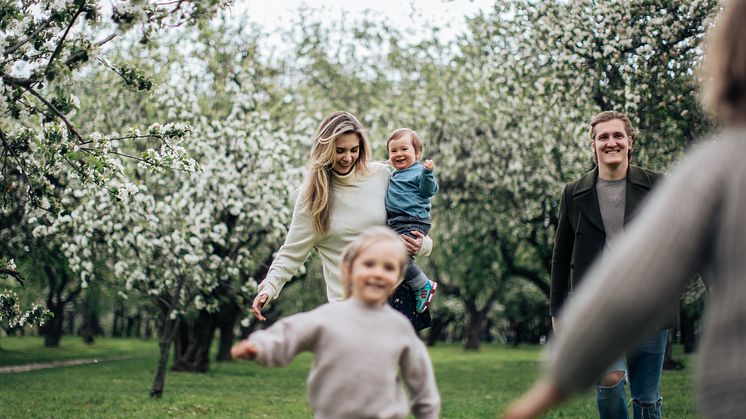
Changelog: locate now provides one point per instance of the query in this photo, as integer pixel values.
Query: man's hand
(244, 350)
(413, 244)
(429, 164)
(258, 305)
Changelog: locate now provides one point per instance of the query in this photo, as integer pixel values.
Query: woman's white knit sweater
(358, 203)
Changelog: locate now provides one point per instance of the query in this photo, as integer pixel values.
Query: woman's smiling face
(347, 151)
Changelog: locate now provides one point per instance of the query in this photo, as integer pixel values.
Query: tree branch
(15, 157)
(38, 30)
(15, 274)
(105, 40)
(55, 110)
(17, 81)
(62, 40)
(72, 295)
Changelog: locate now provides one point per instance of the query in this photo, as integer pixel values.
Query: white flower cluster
(127, 190)
(11, 314)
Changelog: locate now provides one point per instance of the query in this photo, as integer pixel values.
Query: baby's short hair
(401, 132)
(365, 240)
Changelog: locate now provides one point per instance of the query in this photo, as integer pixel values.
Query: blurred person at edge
(694, 222)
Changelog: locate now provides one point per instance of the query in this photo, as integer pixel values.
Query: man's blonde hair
(366, 239)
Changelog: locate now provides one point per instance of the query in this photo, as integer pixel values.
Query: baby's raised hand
(244, 350)
(429, 165)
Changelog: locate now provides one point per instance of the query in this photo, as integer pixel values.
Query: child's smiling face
(375, 273)
(402, 153)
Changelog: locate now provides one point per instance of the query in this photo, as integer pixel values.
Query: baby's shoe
(424, 295)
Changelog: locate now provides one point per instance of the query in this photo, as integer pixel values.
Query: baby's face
(402, 153)
(375, 273)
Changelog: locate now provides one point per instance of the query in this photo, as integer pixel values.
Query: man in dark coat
(593, 212)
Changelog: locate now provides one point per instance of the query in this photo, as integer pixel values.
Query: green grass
(22, 350)
(472, 385)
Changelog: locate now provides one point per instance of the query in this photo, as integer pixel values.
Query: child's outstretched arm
(417, 374)
(244, 350)
(428, 184)
(278, 345)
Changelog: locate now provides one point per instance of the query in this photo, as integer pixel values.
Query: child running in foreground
(361, 345)
(408, 202)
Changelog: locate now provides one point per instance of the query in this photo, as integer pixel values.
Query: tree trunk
(436, 331)
(688, 327)
(192, 347)
(89, 322)
(118, 320)
(133, 325)
(148, 328)
(226, 322)
(182, 337)
(57, 281)
(52, 329)
(668, 362)
(440, 322)
(474, 329)
(70, 324)
(166, 339)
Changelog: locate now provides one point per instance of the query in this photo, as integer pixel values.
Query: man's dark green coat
(580, 233)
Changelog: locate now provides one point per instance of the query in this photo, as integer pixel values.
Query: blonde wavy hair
(724, 65)
(366, 239)
(317, 191)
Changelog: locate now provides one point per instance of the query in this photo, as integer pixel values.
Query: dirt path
(55, 364)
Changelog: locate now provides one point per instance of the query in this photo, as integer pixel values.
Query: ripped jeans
(644, 367)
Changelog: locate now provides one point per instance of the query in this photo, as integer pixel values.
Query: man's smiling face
(611, 144)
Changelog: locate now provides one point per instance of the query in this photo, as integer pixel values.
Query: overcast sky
(449, 15)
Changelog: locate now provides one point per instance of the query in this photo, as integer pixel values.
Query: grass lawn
(472, 385)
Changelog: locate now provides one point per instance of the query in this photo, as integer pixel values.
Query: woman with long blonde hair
(343, 194)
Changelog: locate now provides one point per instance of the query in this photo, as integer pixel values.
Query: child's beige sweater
(362, 354)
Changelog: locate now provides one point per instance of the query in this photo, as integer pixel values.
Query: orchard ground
(472, 384)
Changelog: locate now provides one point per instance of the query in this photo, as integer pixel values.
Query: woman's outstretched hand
(413, 244)
(542, 397)
(258, 305)
(244, 350)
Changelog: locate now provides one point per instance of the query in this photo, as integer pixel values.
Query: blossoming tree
(47, 44)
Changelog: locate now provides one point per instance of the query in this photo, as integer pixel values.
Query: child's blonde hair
(401, 132)
(366, 239)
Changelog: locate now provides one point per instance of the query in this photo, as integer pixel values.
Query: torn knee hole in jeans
(611, 379)
(646, 405)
